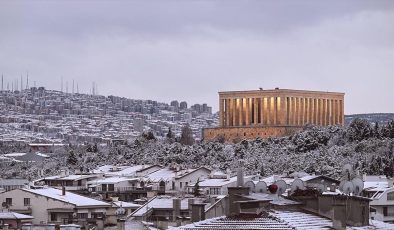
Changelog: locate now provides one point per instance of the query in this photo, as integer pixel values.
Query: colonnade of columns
(295, 111)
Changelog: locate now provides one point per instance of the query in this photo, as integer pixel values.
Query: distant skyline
(190, 50)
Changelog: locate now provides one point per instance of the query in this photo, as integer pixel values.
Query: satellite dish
(261, 186)
(297, 184)
(358, 185)
(251, 186)
(347, 187)
(282, 186)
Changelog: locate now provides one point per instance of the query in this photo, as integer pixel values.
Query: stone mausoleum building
(277, 112)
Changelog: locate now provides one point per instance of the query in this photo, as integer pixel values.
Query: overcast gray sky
(190, 50)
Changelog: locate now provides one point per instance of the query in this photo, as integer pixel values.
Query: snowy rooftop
(162, 174)
(126, 204)
(69, 177)
(14, 216)
(71, 198)
(236, 223)
(220, 182)
(120, 170)
(111, 180)
(159, 202)
(300, 220)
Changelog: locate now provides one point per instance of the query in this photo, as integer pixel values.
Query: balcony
(122, 190)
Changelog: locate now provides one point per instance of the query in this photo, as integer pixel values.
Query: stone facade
(278, 112)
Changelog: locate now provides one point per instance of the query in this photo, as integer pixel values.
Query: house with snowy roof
(382, 204)
(217, 186)
(74, 182)
(14, 220)
(54, 206)
(165, 210)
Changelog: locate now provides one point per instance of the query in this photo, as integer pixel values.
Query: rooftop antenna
(66, 86)
(8, 86)
(77, 88)
(21, 82)
(2, 82)
(73, 86)
(27, 80)
(61, 84)
(12, 86)
(16, 84)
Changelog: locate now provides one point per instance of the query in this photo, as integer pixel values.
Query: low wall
(234, 134)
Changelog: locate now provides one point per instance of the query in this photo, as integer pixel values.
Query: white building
(49, 205)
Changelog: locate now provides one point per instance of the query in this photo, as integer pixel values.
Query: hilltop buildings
(278, 112)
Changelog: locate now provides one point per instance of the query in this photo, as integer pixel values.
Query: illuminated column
(227, 104)
(341, 113)
(302, 111)
(293, 111)
(337, 112)
(289, 110)
(234, 111)
(282, 113)
(255, 108)
(221, 112)
(297, 108)
(331, 112)
(262, 115)
(317, 111)
(240, 109)
(307, 110)
(270, 108)
(266, 111)
(324, 111)
(247, 117)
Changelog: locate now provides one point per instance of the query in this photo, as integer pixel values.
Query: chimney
(176, 205)
(333, 187)
(240, 174)
(63, 191)
(198, 212)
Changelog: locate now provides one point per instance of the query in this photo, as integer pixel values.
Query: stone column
(302, 104)
(324, 111)
(221, 112)
(262, 115)
(342, 115)
(265, 111)
(289, 110)
(227, 118)
(256, 108)
(293, 111)
(247, 115)
(270, 107)
(331, 112)
(234, 111)
(282, 111)
(307, 111)
(275, 116)
(240, 111)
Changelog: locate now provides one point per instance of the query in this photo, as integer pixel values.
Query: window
(384, 211)
(80, 183)
(8, 201)
(53, 217)
(82, 215)
(111, 187)
(26, 201)
(390, 196)
(180, 184)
